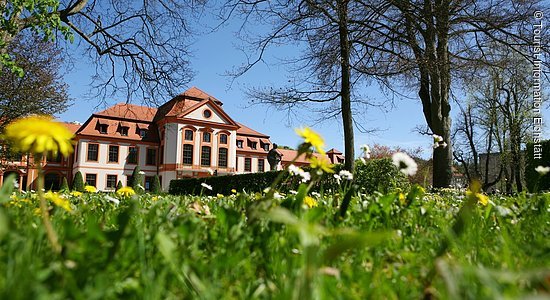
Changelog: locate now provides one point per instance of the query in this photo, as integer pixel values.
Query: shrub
(379, 175)
(137, 180)
(533, 179)
(78, 182)
(252, 182)
(64, 185)
(155, 185)
(119, 185)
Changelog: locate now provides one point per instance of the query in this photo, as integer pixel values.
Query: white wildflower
(315, 194)
(141, 173)
(542, 170)
(294, 170)
(345, 174)
(405, 163)
(437, 138)
(204, 185)
(277, 196)
(444, 145)
(293, 192)
(305, 176)
(337, 177)
(114, 200)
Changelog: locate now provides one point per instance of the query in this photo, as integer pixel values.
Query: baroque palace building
(188, 136)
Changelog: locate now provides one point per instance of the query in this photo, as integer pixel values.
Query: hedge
(534, 181)
(375, 175)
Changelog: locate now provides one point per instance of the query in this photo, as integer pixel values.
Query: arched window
(205, 156)
(187, 154)
(222, 157)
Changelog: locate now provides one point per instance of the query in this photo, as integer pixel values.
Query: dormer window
(124, 131)
(142, 133)
(266, 147)
(103, 128)
(253, 145)
(239, 144)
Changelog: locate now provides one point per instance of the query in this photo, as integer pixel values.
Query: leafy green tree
(155, 186)
(64, 185)
(78, 182)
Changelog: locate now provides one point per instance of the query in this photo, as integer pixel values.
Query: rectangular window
(91, 179)
(132, 155)
(111, 181)
(222, 157)
(253, 145)
(239, 144)
(187, 154)
(223, 139)
(188, 135)
(261, 165)
(205, 156)
(266, 147)
(124, 131)
(247, 164)
(206, 137)
(54, 158)
(142, 133)
(113, 154)
(93, 151)
(148, 183)
(151, 158)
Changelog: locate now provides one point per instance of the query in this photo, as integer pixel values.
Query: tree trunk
(345, 92)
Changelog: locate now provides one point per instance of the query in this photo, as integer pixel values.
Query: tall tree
(40, 90)
(427, 42)
(138, 47)
(325, 70)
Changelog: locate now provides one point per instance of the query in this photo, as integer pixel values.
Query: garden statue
(274, 157)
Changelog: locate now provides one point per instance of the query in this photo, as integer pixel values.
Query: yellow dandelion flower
(90, 189)
(76, 194)
(37, 212)
(58, 200)
(313, 138)
(321, 164)
(310, 202)
(126, 191)
(40, 135)
(219, 196)
(234, 191)
(402, 198)
(480, 198)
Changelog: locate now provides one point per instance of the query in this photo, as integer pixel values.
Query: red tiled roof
(244, 130)
(72, 126)
(91, 128)
(129, 111)
(289, 155)
(197, 93)
(335, 151)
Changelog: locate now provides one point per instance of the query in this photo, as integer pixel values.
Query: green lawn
(246, 247)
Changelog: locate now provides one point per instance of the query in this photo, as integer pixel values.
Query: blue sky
(215, 54)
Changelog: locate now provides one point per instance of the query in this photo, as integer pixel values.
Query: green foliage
(155, 185)
(536, 182)
(78, 182)
(137, 180)
(64, 185)
(119, 185)
(379, 175)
